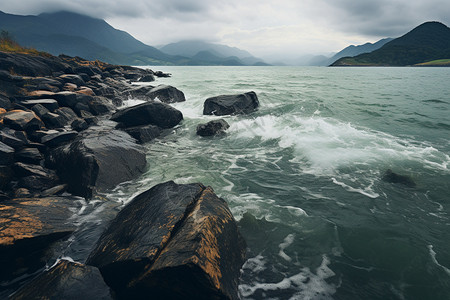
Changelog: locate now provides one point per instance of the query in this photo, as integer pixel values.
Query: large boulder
(231, 104)
(31, 65)
(66, 280)
(29, 227)
(98, 159)
(211, 128)
(144, 134)
(166, 94)
(22, 120)
(149, 113)
(172, 242)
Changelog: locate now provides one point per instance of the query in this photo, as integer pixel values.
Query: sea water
(303, 178)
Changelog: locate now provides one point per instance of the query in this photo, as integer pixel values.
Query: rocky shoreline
(62, 136)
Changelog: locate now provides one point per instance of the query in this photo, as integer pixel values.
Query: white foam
(433, 258)
(366, 192)
(131, 102)
(288, 240)
(255, 264)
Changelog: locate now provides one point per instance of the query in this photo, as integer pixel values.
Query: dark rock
(58, 189)
(80, 107)
(31, 65)
(36, 136)
(39, 110)
(22, 120)
(22, 169)
(144, 134)
(52, 120)
(56, 139)
(147, 78)
(67, 114)
(98, 159)
(50, 104)
(87, 70)
(231, 104)
(79, 125)
(66, 280)
(150, 113)
(29, 155)
(66, 98)
(72, 78)
(212, 128)
(161, 74)
(172, 242)
(5, 176)
(166, 94)
(45, 81)
(38, 183)
(5, 102)
(11, 140)
(28, 228)
(84, 76)
(392, 177)
(48, 87)
(100, 105)
(6, 154)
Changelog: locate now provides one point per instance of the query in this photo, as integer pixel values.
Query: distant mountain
(427, 42)
(353, 50)
(203, 52)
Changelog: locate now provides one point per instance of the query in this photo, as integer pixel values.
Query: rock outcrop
(212, 128)
(172, 242)
(231, 104)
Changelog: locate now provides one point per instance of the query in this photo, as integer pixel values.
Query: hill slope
(353, 50)
(428, 41)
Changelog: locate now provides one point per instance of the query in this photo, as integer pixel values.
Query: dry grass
(7, 44)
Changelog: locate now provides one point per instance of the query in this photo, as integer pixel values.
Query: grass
(8, 44)
(438, 62)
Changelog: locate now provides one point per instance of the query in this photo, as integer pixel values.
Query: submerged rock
(231, 104)
(172, 242)
(66, 280)
(392, 177)
(212, 128)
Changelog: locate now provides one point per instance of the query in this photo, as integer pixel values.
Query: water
(303, 177)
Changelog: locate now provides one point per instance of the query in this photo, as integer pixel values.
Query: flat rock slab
(172, 242)
(49, 104)
(231, 104)
(22, 120)
(66, 280)
(28, 227)
(149, 113)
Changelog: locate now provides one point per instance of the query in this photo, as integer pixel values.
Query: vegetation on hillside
(435, 63)
(8, 44)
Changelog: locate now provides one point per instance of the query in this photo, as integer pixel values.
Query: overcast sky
(287, 28)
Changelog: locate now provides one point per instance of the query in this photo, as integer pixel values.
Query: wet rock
(150, 113)
(55, 190)
(66, 98)
(147, 78)
(98, 160)
(50, 104)
(144, 134)
(212, 128)
(100, 105)
(39, 110)
(52, 120)
(66, 280)
(22, 120)
(166, 94)
(231, 104)
(5, 102)
(392, 177)
(29, 155)
(31, 65)
(5, 176)
(79, 125)
(72, 78)
(6, 154)
(38, 173)
(161, 74)
(56, 139)
(70, 87)
(67, 114)
(28, 228)
(11, 140)
(172, 242)
(89, 70)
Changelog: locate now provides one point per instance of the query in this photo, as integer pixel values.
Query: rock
(5, 102)
(39, 110)
(31, 65)
(150, 113)
(11, 140)
(98, 160)
(28, 228)
(144, 134)
(22, 169)
(56, 139)
(29, 155)
(70, 87)
(66, 280)
(161, 74)
(147, 78)
(38, 183)
(52, 120)
(67, 114)
(50, 104)
(79, 125)
(100, 105)
(166, 94)
(89, 70)
(231, 104)
(22, 120)
(58, 189)
(80, 107)
(212, 128)
(86, 91)
(172, 242)
(66, 98)
(392, 177)
(6, 154)
(72, 78)
(5, 176)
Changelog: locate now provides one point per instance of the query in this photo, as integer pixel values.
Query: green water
(303, 176)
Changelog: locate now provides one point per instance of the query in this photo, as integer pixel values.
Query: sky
(286, 29)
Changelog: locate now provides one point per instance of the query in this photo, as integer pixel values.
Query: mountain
(203, 52)
(353, 50)
(427, 42)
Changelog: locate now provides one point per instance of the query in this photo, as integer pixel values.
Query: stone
(67, 114)
(39, 110)
(98, 160)
(79, 125)
(73, 78)
(5, 102)
(6, 154)
(58, 189)
(66, 280)
(100, 105)
(56, 139)
(23, 169)
(11, 140)
(172, 242)
(50, 104)
(52, 120)
(31, 65)
(5, 176)
(231, 104)
(38, 183)
(392, 177)
(29, 155)
(86, 91)
(66, 98)
(87, 70)
(29, 227)
(149, 113)
(22, 120)
(166, 94)
(70, 87)
(147, 78)
(212, 128)
(144, 134)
